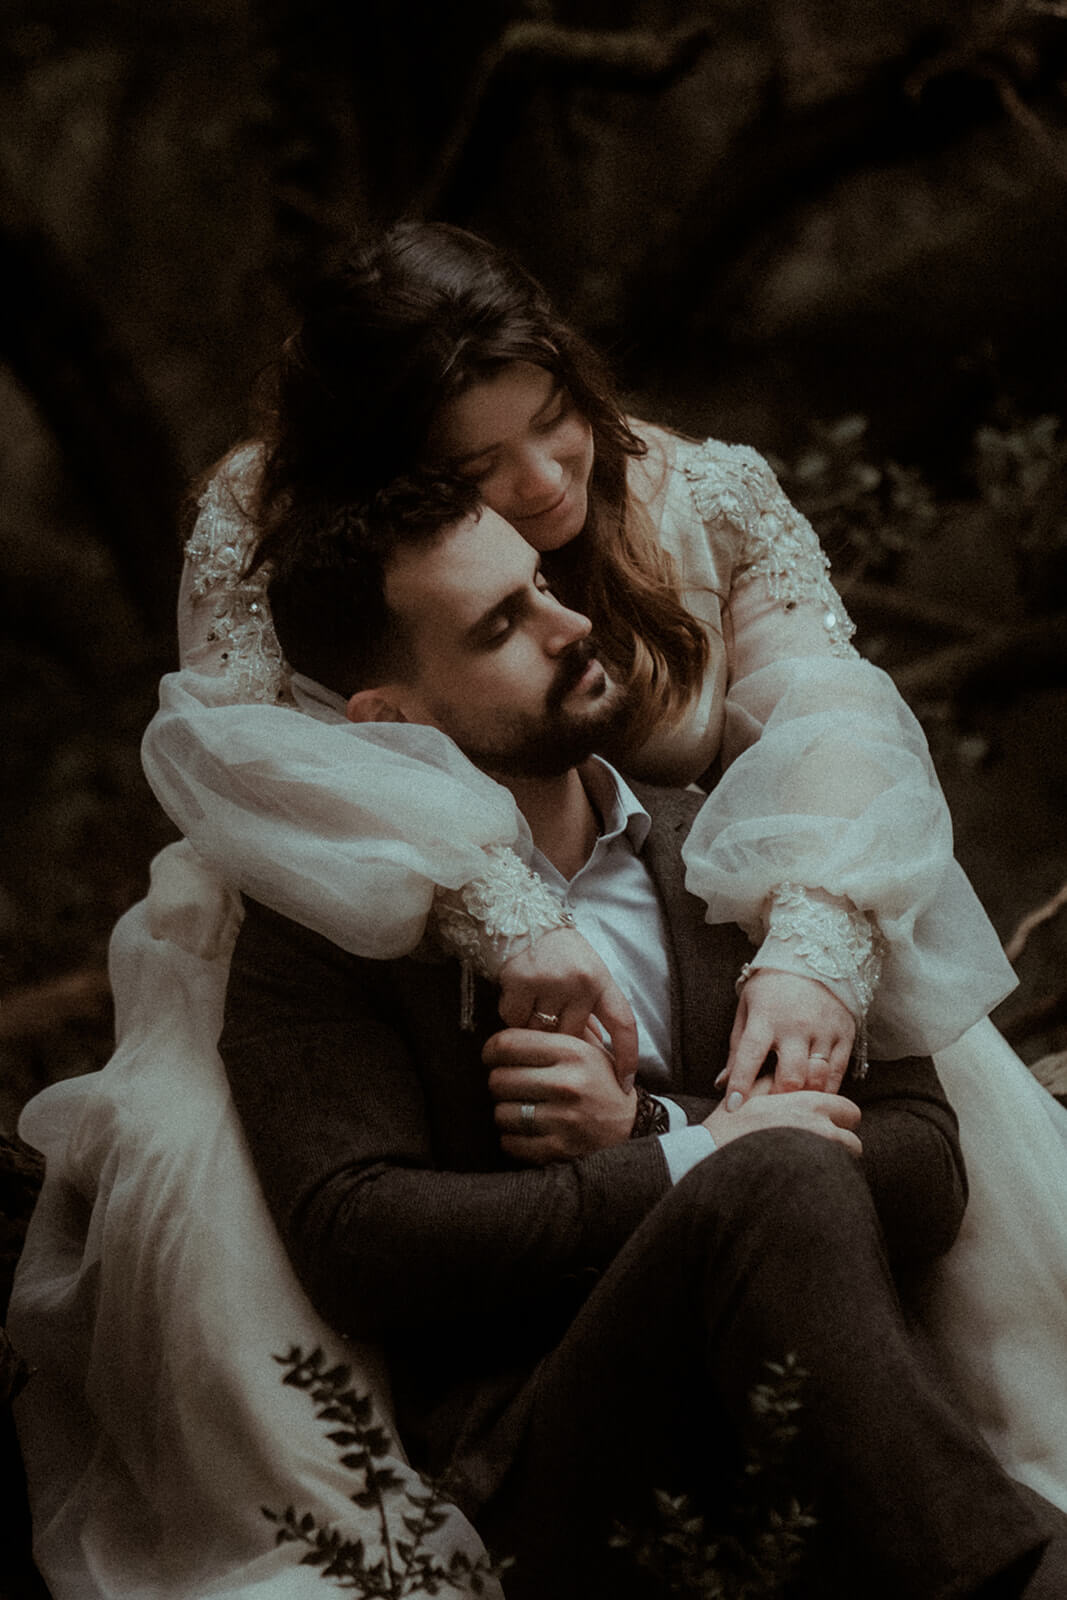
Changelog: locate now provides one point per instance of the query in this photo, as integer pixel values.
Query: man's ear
(374, 705)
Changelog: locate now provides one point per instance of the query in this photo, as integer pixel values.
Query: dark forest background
(832, 230)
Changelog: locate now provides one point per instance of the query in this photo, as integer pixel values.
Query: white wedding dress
(153, 1295)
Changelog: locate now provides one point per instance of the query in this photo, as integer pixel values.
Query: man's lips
(592, 674)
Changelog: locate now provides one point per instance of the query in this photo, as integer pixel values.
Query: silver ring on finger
(547, 1019)
(817, 1055)
(527, 1118)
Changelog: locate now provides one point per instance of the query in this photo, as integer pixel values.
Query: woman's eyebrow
(487, 449)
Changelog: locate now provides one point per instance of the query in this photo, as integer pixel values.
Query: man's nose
(564, 628)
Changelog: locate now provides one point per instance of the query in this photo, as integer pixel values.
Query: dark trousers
(769, 1248)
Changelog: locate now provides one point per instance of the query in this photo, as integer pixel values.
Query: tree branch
(878, 603)
(622, 60)
(113, 440)
(39, 1008)
(1034, 919)
(1034, 650)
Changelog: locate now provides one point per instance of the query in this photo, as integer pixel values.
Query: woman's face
(519, 438)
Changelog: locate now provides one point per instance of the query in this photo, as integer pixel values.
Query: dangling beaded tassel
(466, 997)
(859, 1052)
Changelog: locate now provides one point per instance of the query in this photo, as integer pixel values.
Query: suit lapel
(704, 959)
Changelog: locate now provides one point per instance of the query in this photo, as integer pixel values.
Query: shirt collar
(620, 809)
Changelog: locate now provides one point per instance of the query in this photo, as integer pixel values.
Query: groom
(578, 1283)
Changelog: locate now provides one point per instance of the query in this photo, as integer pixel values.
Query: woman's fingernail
(629, 1082)
(735, 1100)
(721, 1079)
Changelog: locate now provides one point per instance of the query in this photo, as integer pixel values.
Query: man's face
(499, 664)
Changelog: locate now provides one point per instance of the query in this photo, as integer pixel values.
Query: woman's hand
(830, 1116)
(557, 1098)
(561, 977)
(806, 1026)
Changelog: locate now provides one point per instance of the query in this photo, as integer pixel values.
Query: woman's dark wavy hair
(417, 316)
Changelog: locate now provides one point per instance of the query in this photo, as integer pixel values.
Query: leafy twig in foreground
(401, 1566)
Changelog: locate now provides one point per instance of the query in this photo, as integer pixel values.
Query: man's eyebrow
(507, 605)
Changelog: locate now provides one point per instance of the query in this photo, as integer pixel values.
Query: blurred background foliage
(830, 228)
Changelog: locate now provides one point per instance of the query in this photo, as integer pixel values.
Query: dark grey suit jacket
(369, 1122)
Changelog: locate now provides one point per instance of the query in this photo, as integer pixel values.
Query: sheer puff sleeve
(348, 828)
(828, 835)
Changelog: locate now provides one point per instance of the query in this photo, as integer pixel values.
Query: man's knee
(783, 1180)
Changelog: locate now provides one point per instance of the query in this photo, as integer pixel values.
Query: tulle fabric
(996, 1307)
(151, 1300)
(347, 828)
(833, 786)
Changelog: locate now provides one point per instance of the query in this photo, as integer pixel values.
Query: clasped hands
(558, 1098)
(805, 1026)
(560, 1003)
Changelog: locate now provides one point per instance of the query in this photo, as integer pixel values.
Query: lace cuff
(489, 920)
(823, 936)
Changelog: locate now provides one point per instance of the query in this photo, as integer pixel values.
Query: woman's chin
(555, 528)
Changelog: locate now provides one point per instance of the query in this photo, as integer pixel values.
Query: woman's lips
(537, 516)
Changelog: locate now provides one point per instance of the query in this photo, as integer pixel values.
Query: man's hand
(831, 1116)
(807, 1027)
(561, 976)
(578, 1104)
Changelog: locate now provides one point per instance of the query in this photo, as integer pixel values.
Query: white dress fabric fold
(153, 1301)
(995, 1309)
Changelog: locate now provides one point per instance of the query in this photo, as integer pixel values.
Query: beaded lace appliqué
(486, 921)
(217, 552)
(837, 942)
(482, 921)
(832, 940)
(733, 486)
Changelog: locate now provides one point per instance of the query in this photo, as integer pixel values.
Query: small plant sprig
(762, 1534)
(401, 1566)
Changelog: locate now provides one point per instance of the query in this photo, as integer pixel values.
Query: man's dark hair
(327, 583)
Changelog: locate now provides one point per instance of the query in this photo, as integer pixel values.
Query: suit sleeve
(911, 1155)
(912, 1158)
(335, 1115)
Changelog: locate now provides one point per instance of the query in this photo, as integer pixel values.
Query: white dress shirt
(617, 909)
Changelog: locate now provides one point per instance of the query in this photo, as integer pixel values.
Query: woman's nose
(539, 476)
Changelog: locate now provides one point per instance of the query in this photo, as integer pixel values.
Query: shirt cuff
(685, 1147)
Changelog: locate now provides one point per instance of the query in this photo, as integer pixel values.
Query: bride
(153, 1294)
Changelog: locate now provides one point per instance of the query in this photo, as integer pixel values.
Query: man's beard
(549, 745)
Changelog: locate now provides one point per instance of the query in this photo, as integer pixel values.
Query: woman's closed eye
(560, 412)
(477, 472)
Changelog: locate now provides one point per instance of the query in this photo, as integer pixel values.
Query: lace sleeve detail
(734, 489)
(834, 939)
(229, 617)
(486, 921)
(823, 936)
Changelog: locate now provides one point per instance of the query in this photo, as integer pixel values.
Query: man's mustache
(571, 667)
